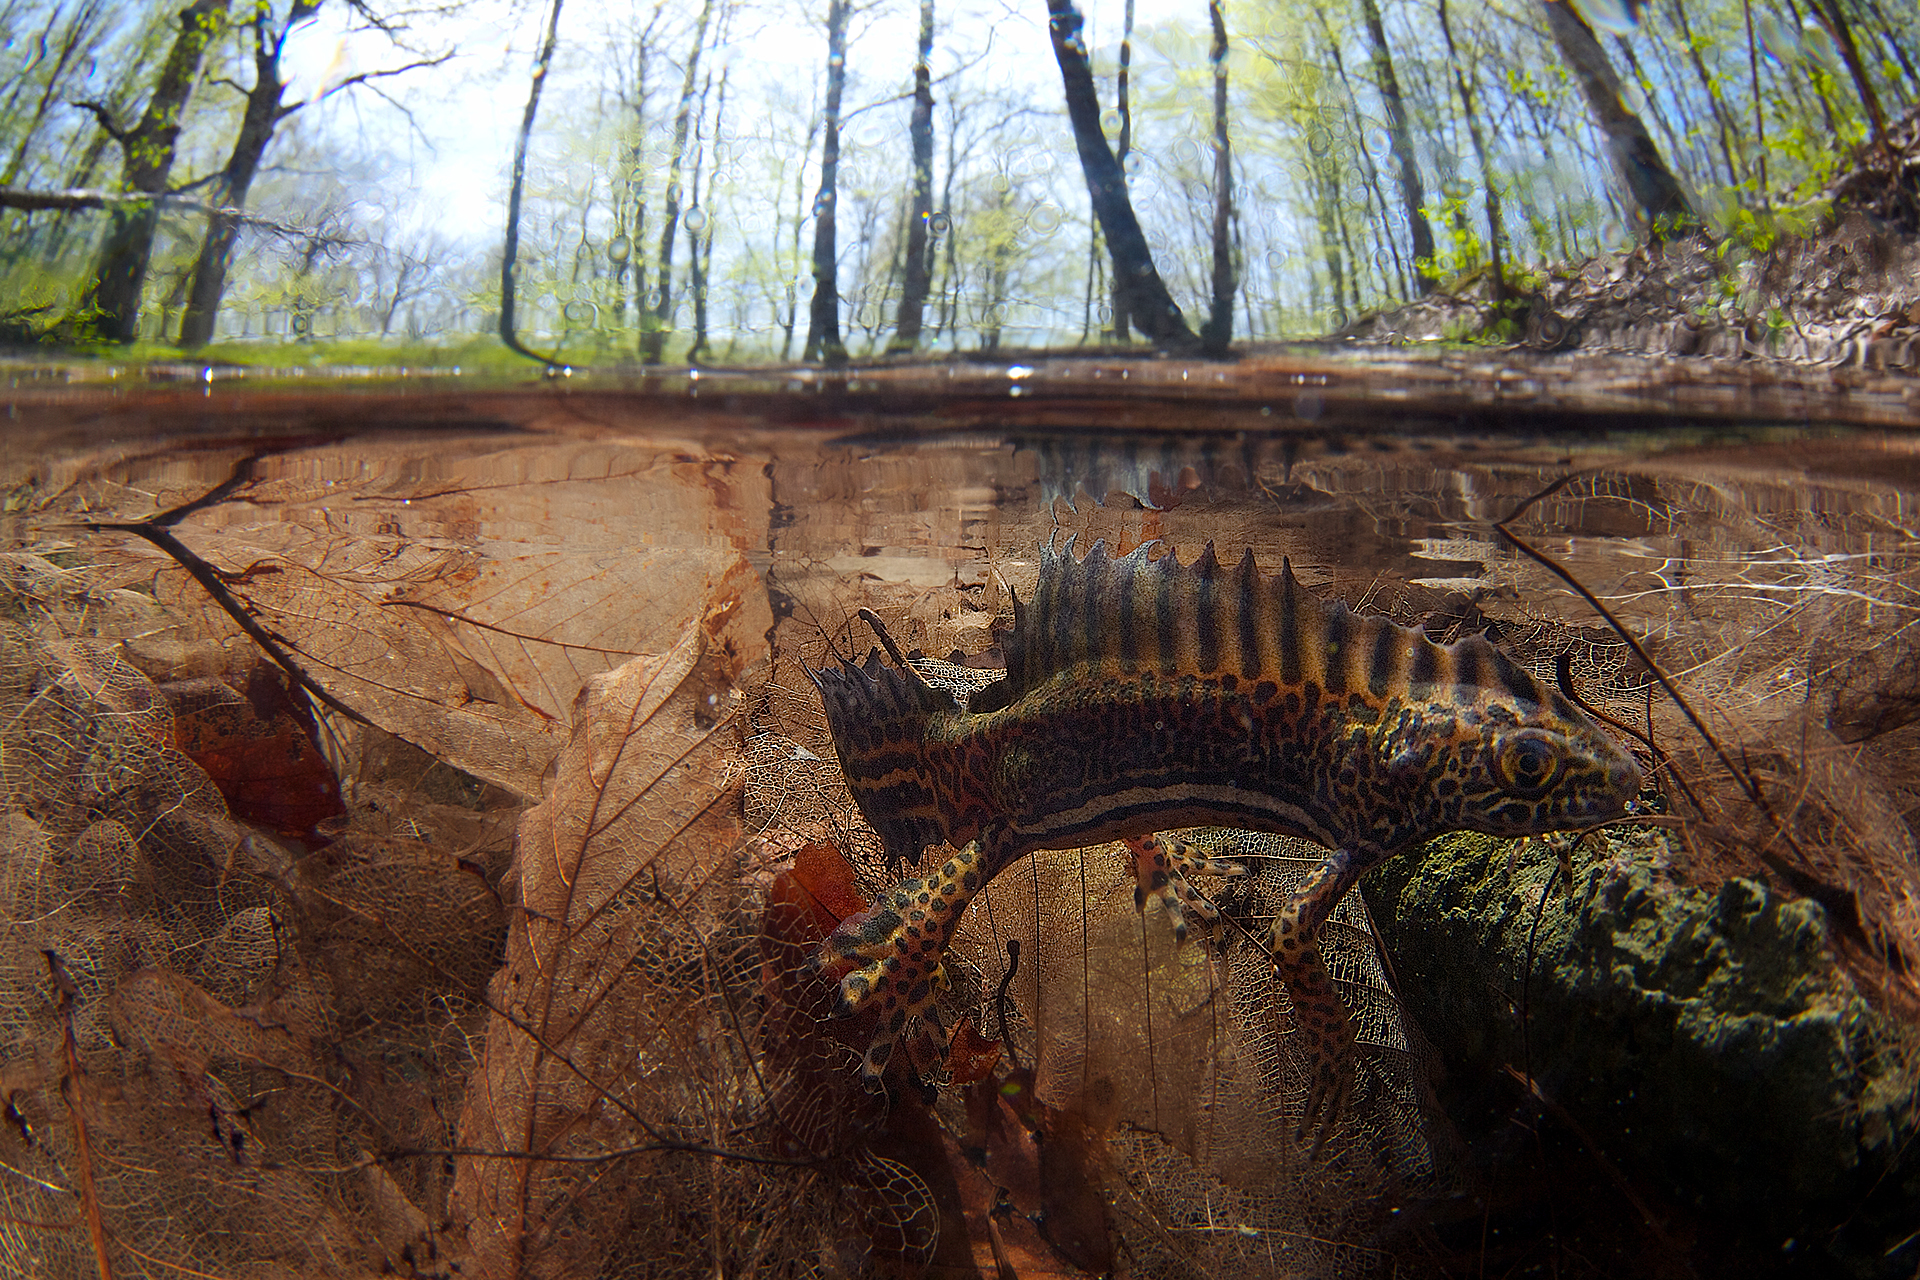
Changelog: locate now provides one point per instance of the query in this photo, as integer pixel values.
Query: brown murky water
(456, 566)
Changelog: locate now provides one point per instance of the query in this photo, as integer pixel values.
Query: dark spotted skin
(1144, 695)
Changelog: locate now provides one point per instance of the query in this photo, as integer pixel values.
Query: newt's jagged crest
(1157, 614)
(1204, 619)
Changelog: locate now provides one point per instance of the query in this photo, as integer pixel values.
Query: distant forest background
(1239, 171)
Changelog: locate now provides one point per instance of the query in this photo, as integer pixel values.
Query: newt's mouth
(1611, 800)
(1624, 778)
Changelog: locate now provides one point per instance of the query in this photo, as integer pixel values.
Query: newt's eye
(1528, 765)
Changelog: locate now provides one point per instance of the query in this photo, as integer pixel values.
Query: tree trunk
(1655, 191)
(1639, 73)
(1401, 137)
(1496, 230)
(1327, 212)
(654, 328)
(1376, 199)
(700, 257)
(1094, 282)
(1895, 45)
(1151, 308)
(789, 304)
(1835, 20)
(918, 276)
(823, 316)
(947, 240)
(1218, 331)
(110, 306)
(633, 208)
(17, 239)
(79, 31)
(1716, 104)
(1123, 106)
(405, 269)
(263, 112)
(510, 251)
(51, 249)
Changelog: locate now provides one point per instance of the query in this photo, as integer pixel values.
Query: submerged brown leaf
(260, 747)
(434, 597)
(623, 875)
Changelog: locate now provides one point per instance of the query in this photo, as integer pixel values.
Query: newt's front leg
(896, 949)
(1325, 1029)
(1161, 866)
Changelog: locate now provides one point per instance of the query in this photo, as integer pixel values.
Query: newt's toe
(1328, 1093)
(1161, 867)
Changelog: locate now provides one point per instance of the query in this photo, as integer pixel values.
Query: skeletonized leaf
(596, 1053)
(436, 597)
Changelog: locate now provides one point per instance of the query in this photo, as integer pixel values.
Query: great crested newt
(1142, 695)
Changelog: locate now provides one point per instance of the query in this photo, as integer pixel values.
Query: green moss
(1708, 1039)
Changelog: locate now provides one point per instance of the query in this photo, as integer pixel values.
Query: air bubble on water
(1615, 17)
(1632, 98)
(1783, 43)
(1819, 46)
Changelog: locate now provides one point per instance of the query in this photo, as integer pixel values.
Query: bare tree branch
(406, 111)
(105, 117)
(95, 198)
(366, 77)
(511, 249)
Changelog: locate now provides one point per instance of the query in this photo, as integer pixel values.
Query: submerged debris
(1711, 1040)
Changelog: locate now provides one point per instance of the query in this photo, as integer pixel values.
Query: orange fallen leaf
(261, 749)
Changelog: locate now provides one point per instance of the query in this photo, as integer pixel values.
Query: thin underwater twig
(1842, 903)
(1632, 641)
(1563, 676)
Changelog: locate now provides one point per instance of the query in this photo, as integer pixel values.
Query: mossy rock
(1708, 1041)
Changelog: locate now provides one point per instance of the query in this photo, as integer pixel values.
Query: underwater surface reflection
(1683, 1044)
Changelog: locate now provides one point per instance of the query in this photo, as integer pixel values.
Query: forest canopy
(748, 180)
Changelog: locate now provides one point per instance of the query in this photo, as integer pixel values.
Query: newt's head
(1546, 774)
(1515, 757)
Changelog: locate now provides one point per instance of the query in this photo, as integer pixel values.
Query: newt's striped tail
(878, 715)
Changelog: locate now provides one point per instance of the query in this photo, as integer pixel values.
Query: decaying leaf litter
(656, 1085)
(1832, 283)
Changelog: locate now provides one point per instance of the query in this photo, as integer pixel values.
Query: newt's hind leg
(1161, 866)
(1320, 1019)
(895, 949)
